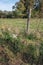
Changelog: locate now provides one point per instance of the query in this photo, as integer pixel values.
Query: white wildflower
(14, 35)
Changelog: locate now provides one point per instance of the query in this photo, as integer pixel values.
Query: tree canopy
(23, 6)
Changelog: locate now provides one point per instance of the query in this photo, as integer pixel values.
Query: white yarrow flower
(14, 35)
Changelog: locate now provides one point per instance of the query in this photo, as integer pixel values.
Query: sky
(7, 4)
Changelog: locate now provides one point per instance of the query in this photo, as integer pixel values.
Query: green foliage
(15, 44)
(18, 47)
(32, 36)
(6, 35)
(41, 54)
(6, 14)
(31, 49)
(29, 54)
(41, 48)
(22, 6)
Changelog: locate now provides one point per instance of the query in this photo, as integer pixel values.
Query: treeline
(14, 14)
(6, 14)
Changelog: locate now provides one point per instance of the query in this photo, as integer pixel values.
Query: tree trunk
(28, 20)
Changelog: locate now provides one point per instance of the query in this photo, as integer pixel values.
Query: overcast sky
(7, 4)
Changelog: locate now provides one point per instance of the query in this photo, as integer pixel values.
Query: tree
(19, 9)
(40, 11)
(24, 8)
(41, 8)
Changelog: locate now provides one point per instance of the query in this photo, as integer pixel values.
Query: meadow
(21, 23)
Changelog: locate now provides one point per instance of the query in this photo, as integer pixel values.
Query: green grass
(21, 23)
(22, 42)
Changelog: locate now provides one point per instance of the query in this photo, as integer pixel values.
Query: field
(17, 48)
(21, 23)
